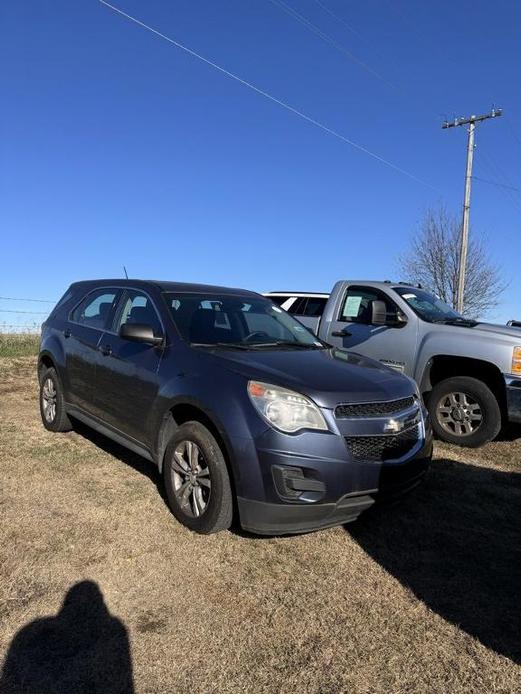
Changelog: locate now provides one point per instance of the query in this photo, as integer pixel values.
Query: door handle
(341, 333)
(106, 350)
(67, 333)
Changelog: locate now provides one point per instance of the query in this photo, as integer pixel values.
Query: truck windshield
(427, 306)
(237, 321)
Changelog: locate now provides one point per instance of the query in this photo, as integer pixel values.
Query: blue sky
(120, 149)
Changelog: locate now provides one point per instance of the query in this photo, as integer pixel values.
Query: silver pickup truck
(468, 372)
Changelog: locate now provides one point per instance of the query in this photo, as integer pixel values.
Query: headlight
(285, 409)
(516, 361)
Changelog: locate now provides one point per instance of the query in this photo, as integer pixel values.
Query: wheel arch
(186, 410)
(443, 366)
(45, 360)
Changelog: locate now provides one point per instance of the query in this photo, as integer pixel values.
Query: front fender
(223, 401)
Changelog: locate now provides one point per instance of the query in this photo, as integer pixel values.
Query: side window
(298, 308)
(356, 307)
(315, 306)
(95, 309)
(138, 308)
(279, 300)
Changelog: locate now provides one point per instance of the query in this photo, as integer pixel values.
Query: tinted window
(315, 306)
(279, 300)
(95, 309)
(356, 307)
(298, 307)
(137, 308)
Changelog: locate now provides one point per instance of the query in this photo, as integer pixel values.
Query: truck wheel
(464, 411)
(196, 480)
(52, 402)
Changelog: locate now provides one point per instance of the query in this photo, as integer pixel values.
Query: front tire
(196, 480)
(464, 411)
(52, 402)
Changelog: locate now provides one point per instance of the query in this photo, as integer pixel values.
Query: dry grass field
(101, 590)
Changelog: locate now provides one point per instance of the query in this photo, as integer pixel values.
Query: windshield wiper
(288, 343)
(458, 320)
(231, 345)
(258, 345)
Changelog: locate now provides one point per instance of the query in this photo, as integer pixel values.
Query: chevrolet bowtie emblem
(393, 426)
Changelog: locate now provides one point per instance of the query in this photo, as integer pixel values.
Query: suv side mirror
(378, 312)
(139, 332)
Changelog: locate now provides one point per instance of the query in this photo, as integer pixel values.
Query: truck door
(394, 344)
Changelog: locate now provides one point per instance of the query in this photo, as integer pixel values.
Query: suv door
(393, 345)
(127, 378)
(82, 334)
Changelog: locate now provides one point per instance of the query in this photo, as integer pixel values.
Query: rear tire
(196, 480)
(52, 402)
(464, 411)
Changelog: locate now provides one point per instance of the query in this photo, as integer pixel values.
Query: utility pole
(471, 122)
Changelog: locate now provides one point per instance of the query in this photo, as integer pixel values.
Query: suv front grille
(373, 409)
(382, 448)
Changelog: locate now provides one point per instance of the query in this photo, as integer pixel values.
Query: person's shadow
(81, 649)
(456, 544)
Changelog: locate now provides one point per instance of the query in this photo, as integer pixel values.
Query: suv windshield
(427, 306)
(234, 320)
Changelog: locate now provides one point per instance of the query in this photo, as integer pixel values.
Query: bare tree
(433, 258)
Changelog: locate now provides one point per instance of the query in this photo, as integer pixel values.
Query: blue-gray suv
(245, 412)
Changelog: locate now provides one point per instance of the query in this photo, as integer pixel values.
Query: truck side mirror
(378, 312)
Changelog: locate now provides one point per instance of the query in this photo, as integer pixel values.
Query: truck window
(356, 306)
(312, 306)
(315, 306)
(284, 302)
(298, 306)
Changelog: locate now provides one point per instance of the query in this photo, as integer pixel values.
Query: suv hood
(327, 376)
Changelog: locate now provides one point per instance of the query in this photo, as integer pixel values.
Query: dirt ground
(101, 590)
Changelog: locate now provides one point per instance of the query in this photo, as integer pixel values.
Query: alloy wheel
(191, 477)
(49, 395)
(459, 414)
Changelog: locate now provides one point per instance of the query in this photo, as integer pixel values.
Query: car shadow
(509, 432)
(456, 544)
(123, 454)
(83, 648)
(140, 464)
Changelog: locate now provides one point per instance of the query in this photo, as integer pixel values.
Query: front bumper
(513, 391)
(264, 518)
(351, 487)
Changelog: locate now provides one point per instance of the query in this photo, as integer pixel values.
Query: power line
(266, 95)
(18, 325)
(339, 19)
(514, 133)
(32, 313)
(328, 39)
(495, 183)
(42, 301)
(482, 156)
(401, 88)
